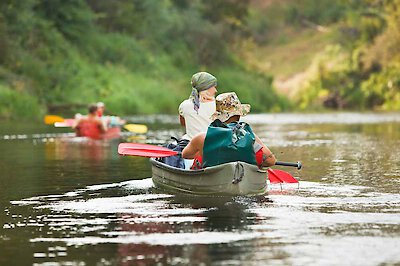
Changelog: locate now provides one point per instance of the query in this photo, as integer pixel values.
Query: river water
(68, 201)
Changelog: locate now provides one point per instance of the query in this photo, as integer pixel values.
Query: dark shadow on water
(219, 215)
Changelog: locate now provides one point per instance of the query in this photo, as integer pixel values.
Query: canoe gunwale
(210, 169)
(217, 180)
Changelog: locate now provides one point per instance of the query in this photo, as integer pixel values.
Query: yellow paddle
(136, 128)
(51, 119)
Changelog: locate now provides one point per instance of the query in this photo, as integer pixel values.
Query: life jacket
(228, 143)
(91, 129)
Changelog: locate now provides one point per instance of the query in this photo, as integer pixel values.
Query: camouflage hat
(228, 105)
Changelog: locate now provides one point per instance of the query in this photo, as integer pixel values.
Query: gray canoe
(235, 178)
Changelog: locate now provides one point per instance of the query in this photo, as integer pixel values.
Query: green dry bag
(228, 143)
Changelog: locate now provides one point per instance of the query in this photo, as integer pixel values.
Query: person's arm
(102, 124)
(181, 113)
(182, 121)
(195, 147)
(268, 157)
(121, 121)
(77, 118)
(75, 126)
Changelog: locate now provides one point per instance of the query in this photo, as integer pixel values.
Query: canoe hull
(111, 133)
(235, 178)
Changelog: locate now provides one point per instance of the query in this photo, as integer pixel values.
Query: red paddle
(279, 176)
(147, 150)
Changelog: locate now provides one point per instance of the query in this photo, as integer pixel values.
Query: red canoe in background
(87, 128)
(92, 130)
(111, 133)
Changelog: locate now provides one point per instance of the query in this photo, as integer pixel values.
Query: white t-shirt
(196, 122)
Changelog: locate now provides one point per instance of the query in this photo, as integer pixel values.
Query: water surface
(69, 201)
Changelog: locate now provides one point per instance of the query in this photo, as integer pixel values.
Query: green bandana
(201, 81)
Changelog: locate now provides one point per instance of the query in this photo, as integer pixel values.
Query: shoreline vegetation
(138, 56)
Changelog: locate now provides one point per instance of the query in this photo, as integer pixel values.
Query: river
(68, 201)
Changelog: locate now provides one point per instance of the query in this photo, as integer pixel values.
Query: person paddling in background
(100, 109)
(227, 139)
(110, 121)
(195, 112)
(90, 125)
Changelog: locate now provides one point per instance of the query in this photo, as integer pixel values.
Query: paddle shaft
(297, 165)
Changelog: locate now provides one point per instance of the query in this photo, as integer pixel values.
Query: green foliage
(194, 27)
(363, 24)
(144, 95)
(73, 18)
(333, 81)
(363, 72)
(272, 21)
(260, 25)
(16, 105)
(339, 82)
(244, 84)
(315, 11)
(138, 56)
(383, 88)
(117, 48)
(116, 16)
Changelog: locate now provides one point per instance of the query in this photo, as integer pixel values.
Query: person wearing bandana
(195, 113)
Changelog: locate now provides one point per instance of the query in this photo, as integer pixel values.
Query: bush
(252, 88)
(14, 104)
(382, 90)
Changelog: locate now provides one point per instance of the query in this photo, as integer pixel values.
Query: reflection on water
(149, 227)
(75, 202)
